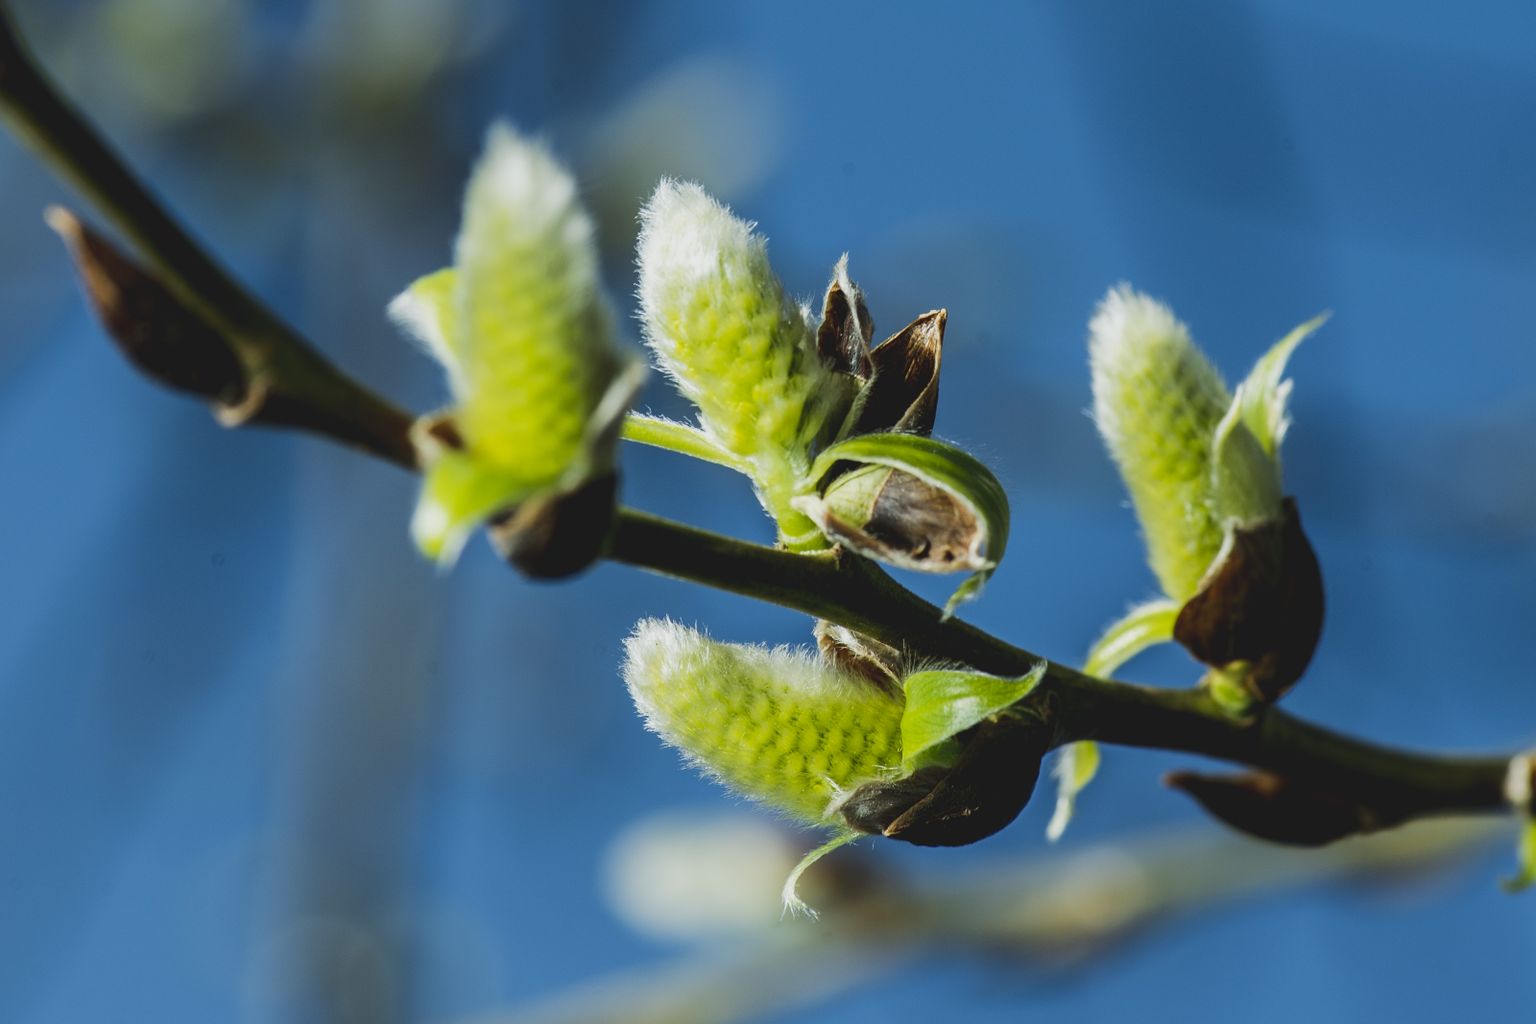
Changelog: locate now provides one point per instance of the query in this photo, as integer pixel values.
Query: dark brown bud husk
(904, 395)
(1272, 807)
(898, 518)
(1261, 606)
(860, 655)
(151, 327)
(846, 327)
(899, 380)
(981, 794)
(556, 536)
(875, 805)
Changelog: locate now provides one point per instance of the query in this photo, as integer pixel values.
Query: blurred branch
(1051, 915)
(284, 381)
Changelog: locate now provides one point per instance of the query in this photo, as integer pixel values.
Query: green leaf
(680, 438)
(793, 904)
(1263, 394)
(1245, 479)
(911, 502)
(1076, 766)
(942, 704)
(1142, 627)
(425, 311)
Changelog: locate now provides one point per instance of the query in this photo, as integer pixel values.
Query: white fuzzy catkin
(520, 324)
(723, 328)
(1157, 401)
(778, 725)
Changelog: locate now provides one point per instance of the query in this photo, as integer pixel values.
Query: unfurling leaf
(520, 325)
(943, 703)
(1142, 627)
(912, 502)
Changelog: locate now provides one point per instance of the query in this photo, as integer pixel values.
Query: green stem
(680, 438)
(827, 584)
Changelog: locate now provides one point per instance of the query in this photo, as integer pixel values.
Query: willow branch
(286, 382)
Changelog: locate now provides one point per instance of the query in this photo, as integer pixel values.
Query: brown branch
(190, 324)
(285, 381)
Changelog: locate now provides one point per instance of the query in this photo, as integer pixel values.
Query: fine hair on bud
(724, 329)
(521, 327)
(1157, 402)
(781, 726)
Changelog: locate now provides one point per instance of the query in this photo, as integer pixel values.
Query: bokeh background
(258, 761)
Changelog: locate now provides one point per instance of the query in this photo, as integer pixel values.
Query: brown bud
(556, 536)
(989, 784)
(875, 805)
(846, 327)
(1272, 807)
(860, 655)
(1262, 605)
(904, 395)
(898, 518)
(161, 336)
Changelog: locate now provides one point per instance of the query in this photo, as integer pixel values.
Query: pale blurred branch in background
(1048, 914)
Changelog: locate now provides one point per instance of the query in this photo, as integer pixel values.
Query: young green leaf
(944, 703)
(1144, 626)
(793, 904)
(1263, 395)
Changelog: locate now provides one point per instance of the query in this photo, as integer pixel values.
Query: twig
(287, 382)
(285, 373)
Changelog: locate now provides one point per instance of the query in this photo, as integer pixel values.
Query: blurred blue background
(258, 761)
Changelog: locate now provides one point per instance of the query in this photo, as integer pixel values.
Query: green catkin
(520, 325)
(777, 725)
(723, 328)
(1157, 401)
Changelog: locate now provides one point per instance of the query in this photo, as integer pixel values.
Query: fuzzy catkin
(1157, 401)
(522, 329)
(779, 726)
(723, 328)
(533, 334)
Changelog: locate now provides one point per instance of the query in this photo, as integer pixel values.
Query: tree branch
(286, 382)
